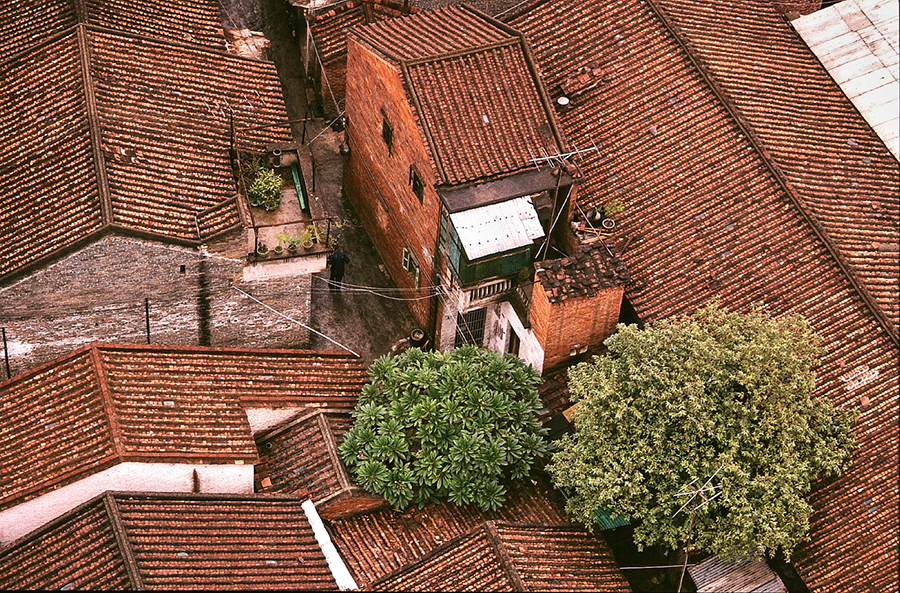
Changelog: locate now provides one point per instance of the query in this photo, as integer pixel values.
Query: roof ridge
(94, 130)
(43, 367)
(197, 349)
(109, 405)
(780, 178)
(121, 537)
(332, 447)
(505, 561)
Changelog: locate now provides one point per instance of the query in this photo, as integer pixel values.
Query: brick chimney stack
(576, 301)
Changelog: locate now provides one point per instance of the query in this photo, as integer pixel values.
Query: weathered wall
(130, 477)
(377, 180)
(97, 294)
(576, 323)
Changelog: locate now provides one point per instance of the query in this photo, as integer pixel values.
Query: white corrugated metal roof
(497, 227)
(856, 41)
(714, 575)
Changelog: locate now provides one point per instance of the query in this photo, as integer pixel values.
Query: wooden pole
(6, 355)
(147, 317)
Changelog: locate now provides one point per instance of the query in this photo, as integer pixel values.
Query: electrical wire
(322, 65)
(369, 290)
(280, 314)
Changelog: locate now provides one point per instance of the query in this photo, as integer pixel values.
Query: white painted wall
(265, 418)
(130, 477)
(530, 349)
(282, 268)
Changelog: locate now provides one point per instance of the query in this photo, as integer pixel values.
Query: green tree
(453, 425)
(715, 395)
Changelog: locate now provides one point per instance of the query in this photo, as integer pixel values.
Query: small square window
(415, 180)
(387, 132)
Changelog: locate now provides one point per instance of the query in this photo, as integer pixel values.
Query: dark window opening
(418, 186)
(470, 328)
(182, 269)
(387, 132)
(627, 313)
(514, 342)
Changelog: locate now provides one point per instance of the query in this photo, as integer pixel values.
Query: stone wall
(97, 294)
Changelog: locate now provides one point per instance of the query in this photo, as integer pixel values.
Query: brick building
(118, 186)
(459, 172)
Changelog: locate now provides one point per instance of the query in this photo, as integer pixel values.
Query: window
(514, 342)
(410, 265)
(470, 328)
(387, 132)
(418, 186)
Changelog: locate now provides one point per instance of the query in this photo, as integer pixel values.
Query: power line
(280, 314)
(369, 289)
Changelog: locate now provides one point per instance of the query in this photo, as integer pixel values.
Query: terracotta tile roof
(329, 25)
(843, 172)
(26, 24)
(123, 132)
(375, 544)
(172, 541)
(433, 33)
(512, 557)
(258, 378)
(78, 549)
(591, 269)
(98, 407)
(477, 98)
(708, 213)
(46, 160)
(164, 118)
(188, 21)
(301, 457)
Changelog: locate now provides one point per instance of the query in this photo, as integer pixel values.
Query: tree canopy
(453, 425)
(716, 395)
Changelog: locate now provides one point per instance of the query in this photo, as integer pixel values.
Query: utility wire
(369, 290)
(280, 314)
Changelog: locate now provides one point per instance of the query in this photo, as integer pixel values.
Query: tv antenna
(561, 157)
(706, 493)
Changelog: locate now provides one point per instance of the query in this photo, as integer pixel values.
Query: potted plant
(265, 190)
(610, 209)
(262, 250)
(307, 236)
(293, 244)
(278, 249)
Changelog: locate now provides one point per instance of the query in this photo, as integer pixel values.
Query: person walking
(338, 260)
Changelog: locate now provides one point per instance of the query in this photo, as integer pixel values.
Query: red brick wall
(574, 322)
(377, 182)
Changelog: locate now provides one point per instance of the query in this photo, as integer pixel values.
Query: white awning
(497, 227)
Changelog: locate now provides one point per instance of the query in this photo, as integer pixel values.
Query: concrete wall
(573, 325)
(130, 477)
(377, 180)
(98, 292)
(265, 418)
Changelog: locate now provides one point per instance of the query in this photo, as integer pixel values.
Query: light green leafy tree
(455, 425)
(683, 399)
